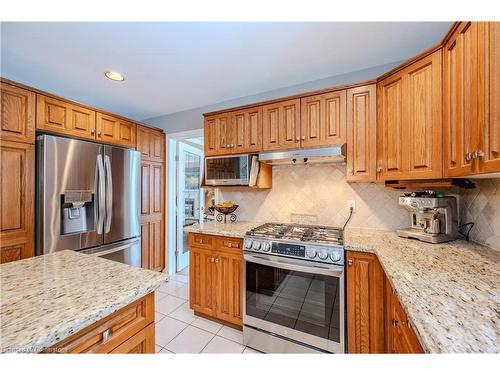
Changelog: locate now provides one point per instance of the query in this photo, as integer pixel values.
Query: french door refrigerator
(88, 197)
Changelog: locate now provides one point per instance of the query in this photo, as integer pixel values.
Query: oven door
(297, 300)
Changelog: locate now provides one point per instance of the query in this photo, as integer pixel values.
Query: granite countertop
(450, 291)
(237, 229)
(48, 298)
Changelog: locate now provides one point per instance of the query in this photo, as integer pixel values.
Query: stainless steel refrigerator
(88, 197)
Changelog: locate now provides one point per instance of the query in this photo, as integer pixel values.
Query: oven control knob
(256, 245)
(266, 246)
(323, 254)
(248, 244)
(311, 253)
(335, 256)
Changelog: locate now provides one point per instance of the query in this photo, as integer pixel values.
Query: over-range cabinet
(88, 199)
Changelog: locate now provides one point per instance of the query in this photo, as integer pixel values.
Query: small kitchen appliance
(433, 218)
(294, 289)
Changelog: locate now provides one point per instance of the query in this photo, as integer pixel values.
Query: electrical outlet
(351, 205)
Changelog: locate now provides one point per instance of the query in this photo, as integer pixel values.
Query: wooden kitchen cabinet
(150, 143)
(323, 119)
(219, 134)
(400, 337)
(114, 130)
(471, 100)
(128, 330)
(18, 114)
(152, 215)
(361, 133)
(409, 126)
(281, 125)
(59, 116)
(247, 126)
(215, 272)
(365, 303)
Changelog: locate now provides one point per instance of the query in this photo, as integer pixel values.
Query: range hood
(333, 154)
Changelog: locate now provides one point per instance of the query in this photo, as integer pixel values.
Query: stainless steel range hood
(333, 154)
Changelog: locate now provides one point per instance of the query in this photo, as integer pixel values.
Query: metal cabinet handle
(99, 133)
(394, 322)
(350, 171)
(229, 244)
(349, 262)
(303, 138)
(200, 240)
(92, 132)
(297, 139)
(106, 335)
(478, 154)
(216, 260)
(379, 169)
(211, 259)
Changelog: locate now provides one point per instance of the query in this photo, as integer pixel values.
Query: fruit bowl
(226, 210)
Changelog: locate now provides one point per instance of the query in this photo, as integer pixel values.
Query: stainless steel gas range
(294, 289)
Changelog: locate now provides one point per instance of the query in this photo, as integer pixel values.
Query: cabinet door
(489, 47)
(422, 133)
(281, 125)
(229, 287)
(143, 144)
(114, 130)
(247, 125)
(17, 200)
(202, 281)
(18, 114)
(157, 145)
(58, 116)
(156, 258)
(361, 133)
(323, 119)
(365, 304)
(390, 132)
(460, 111)
(210, 138)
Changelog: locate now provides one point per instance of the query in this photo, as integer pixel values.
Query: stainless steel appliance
(294, 289)
(332, 154)
(227, 170)
(433, 219)
(88, 197)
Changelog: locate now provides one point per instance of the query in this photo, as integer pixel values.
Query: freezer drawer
(128, 252)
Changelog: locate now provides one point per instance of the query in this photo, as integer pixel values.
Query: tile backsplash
(319, 194)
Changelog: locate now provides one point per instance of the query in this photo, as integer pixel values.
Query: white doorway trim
(171, 191)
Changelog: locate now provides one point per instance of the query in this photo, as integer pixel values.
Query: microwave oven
(227, 170)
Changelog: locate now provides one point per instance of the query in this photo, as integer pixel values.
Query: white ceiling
(170, 67)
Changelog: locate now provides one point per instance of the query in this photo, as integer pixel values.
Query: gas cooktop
(307, 242)
(299, 232)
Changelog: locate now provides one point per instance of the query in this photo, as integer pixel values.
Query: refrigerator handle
(109, 193)
(101, 194)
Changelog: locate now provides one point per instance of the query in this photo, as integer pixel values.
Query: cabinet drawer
(108, 333)
(203, 241)
(228, 243)
(141, 343)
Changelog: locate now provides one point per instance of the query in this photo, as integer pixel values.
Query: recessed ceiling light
(115, 76)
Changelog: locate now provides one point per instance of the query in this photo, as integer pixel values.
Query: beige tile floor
(178, 330)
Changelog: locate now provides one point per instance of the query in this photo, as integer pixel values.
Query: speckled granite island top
(236, 230)
(49, 298)
(450, 291)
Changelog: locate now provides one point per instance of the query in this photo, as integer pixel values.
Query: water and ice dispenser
(77, 212)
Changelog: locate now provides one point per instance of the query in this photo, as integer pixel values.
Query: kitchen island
(72, 302)
(450, 291)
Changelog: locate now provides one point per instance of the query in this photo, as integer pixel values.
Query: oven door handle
(337, 271)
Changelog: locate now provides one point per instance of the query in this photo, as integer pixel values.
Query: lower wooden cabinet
(215, 274)
(17, 200)
(129, 330)
(376, 321)
(365, 303)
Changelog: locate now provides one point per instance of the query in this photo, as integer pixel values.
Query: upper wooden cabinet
(18, 114)
(281, 125)
(323, 119)
(219, 134)
(247, 126)
(361, 133)
(409, 126)
(17, 200)
(58, 116)
(150, 143)
(471, 100)
(365, 303)
(111, 129)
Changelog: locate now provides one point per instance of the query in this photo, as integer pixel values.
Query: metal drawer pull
(349, 262)
(394, 323)
(229, 244)
(106, 335)
(216, 260)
